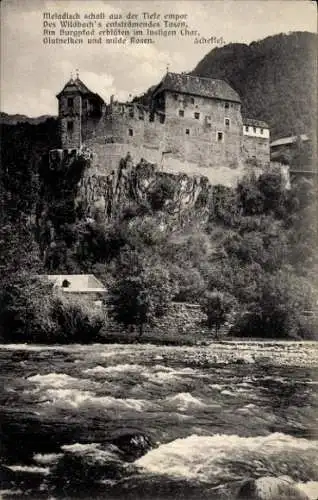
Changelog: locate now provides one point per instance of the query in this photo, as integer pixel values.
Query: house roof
(254, 123)
(77, 283)
(289, 140)
(76, 86)
(197, 85)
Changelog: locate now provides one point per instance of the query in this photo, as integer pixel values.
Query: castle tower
(70, 115)
(77, 107)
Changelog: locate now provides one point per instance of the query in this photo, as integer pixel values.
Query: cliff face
(77, 206)
(142, 185)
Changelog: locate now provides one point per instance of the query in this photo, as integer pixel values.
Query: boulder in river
(133, 444)
(270, 488)
(84, 466)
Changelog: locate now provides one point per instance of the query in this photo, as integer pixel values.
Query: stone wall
(181, 319)
(194, 137)
(217, 175)
(126, 124)
(256, 152)
(106, 157)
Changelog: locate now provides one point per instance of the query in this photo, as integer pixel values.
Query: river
(134, 421)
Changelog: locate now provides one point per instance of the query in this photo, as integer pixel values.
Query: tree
(225, 208)
(250, 197)
(272, 187)
(217, 305)
(282, 308)
(138, 299)
(18, 250)
(189, 281)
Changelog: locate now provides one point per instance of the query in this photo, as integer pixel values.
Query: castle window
(219, 136)
(262, 131)
(187, 131)
(181, 112)
(227, 122)
(197, 116)
(192, 100)
(254, 130)
(246, 128)
(70, 102)
(226, 105)
(131, 113)
(175, 97)
(70, 127)
(161, 118)
(130, 132)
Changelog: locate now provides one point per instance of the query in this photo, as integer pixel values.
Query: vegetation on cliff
(22, 148)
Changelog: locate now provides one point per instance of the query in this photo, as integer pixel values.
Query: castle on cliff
(190, 124)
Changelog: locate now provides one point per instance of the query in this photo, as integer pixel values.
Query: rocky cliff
(73, 192)
(143, 185)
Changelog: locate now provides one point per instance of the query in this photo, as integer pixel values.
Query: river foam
(184, 401)
(204, 458)
(181, 396)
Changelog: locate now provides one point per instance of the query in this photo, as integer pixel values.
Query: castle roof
(255, 123)
(197, 85)
(76, 86)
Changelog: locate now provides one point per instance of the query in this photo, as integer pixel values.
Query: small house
(85, 286)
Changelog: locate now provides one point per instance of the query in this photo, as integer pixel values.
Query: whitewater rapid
(201, 419)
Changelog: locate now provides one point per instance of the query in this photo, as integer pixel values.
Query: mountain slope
(7, 119)
(275, 77)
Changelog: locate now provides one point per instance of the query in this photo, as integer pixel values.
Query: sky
(33, 73)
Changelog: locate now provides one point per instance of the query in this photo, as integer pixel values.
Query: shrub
(25, 310)
(163, 191)
(280, 309)
(76, 320)
(217, 306)
(30, 311)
